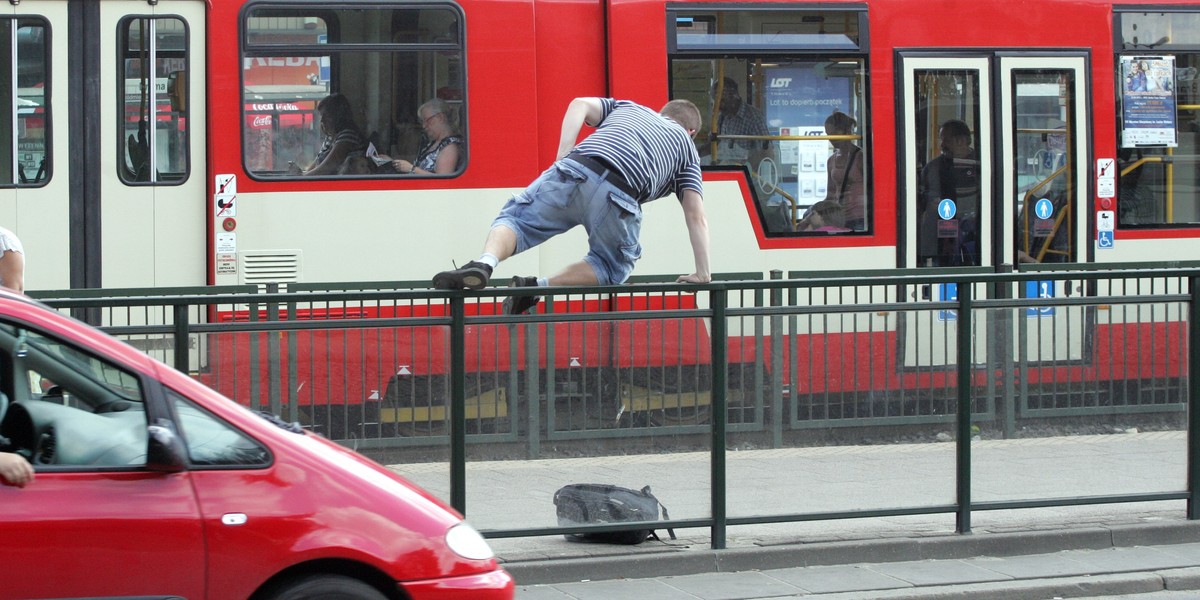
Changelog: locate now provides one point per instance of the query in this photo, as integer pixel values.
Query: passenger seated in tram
(342, 137)
(845, 172)
(442, 154)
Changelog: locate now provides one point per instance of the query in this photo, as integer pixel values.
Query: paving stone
(729, 586)
(842, 578)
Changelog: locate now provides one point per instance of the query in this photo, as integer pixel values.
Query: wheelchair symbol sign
(1105, 240)
(947, 292)
(1039, 289)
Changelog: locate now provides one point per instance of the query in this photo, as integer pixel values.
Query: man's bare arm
(697, 224)
(580, 111)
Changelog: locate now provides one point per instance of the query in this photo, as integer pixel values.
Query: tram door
(978, 197)
(153, 196)
(33, 198)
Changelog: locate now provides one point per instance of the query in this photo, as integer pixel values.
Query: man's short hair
(683, 112)
(956, 129)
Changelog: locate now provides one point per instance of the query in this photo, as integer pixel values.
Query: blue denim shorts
(567, 195)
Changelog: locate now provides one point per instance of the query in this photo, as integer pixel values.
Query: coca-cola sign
(282, 106)
(261, 122)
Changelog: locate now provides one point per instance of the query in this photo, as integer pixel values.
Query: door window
(153, 67)
(24, 92)
(213, 442)
(71, 409)
(948, 169)
(1044, 161)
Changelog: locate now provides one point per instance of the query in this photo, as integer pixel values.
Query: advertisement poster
(798, 100)
(1148, 101)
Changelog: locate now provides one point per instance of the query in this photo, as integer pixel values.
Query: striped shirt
(345, 136)
(654, 154)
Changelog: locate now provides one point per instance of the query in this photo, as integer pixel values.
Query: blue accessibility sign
(1105, 240)
(1044, 209)
(1039, 289)
(947, 209)
(947, 292)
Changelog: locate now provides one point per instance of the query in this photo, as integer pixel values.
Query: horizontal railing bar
(802, 281)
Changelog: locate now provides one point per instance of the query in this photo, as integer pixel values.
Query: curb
(691, 561)
(1064, 587)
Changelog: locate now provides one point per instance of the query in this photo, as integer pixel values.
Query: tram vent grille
(260, 267)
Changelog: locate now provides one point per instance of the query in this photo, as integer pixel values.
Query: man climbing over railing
(634, 156)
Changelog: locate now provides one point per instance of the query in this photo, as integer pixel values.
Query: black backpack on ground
(592, 503)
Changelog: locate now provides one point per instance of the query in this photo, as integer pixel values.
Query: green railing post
(255, 400)
(777, 366)
(273, 354)
(719, 332)
(533, 385)
(1002, 335)
(181, 338)
(963, 523)
(293, 400)
(1193, 407)
(458, 402)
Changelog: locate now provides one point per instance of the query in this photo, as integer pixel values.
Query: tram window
(153, 120)
(1158, 183)
(784, 94)
(23, 152)
(400, 69)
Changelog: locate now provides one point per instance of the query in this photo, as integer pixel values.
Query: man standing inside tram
(738, 117)
(635, 155)
(947, 217)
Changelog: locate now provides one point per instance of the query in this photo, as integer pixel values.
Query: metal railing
(390, 368)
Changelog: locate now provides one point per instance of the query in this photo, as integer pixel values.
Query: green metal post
(1193, 375)
(293, 400)
(533, 386)
(458, 401)
(719, 331)
(777, 366)
(181, 338)
(964, 321)
(273, 354)
(1001, 335)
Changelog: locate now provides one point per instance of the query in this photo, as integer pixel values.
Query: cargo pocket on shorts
(555, 187)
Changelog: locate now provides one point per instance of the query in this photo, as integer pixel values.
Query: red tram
(979, 133)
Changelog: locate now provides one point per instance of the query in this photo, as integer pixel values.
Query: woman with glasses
(441, 154)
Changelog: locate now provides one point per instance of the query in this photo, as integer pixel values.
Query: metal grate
(260, 267)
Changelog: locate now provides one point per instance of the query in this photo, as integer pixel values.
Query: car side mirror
(165, 452)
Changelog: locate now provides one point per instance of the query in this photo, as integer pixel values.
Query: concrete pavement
(1077, 551)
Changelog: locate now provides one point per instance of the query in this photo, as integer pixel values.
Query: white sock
(543, 282)
(489, 259)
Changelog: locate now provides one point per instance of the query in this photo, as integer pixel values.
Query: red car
(149, 484)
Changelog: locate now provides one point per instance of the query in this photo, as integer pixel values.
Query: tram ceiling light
(1166, 39)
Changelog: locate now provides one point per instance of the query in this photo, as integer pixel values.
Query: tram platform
(518, 494)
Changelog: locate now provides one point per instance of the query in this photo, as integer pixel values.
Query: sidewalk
(1125, 544)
